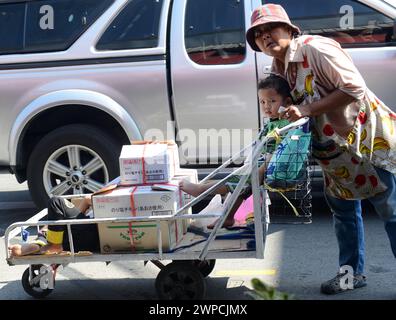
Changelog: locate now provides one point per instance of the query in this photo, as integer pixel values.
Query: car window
(215, 31)
(41, 26)
(351, 23)
(57, 24)
(11, 27)
(136, 27)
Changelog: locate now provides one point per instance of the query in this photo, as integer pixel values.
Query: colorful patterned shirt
(351, 141)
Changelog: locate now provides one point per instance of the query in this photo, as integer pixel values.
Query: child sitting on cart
(273, 93)
(85, 236)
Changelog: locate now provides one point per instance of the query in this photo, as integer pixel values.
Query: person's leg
(229, 221)
(349, 230)
(85, 236)
(385, 205)
(58, 209)
(245, 193)
(54, 233)
(195, 189)
(25, 249)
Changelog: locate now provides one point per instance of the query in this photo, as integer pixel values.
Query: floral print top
(349, 142)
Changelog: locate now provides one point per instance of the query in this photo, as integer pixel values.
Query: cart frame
(261, 221)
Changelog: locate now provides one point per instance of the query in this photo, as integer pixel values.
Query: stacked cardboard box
(137, 201)
(148, 163)
(116, 238)
(149, 186)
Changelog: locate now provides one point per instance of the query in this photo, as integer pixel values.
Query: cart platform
(192, 259)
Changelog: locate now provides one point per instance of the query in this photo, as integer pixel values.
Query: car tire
(89, 143)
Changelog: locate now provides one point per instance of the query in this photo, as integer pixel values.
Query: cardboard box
(131, 164)
(115, 237)
(130, 201)
(191, 173)
(148, 163)
(172, 148)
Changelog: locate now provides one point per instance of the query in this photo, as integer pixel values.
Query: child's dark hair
(279, 84)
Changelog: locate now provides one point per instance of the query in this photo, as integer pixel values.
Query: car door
(213, 79)
(366, 29)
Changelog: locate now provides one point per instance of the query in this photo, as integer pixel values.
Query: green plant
(265, 292)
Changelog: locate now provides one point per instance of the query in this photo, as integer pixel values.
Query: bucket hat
(267, 13)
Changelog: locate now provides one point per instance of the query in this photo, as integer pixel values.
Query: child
(85, 236)
(273, 93)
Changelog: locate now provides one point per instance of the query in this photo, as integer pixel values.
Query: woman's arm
(334, 102)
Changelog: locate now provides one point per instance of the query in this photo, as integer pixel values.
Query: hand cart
(183, 278)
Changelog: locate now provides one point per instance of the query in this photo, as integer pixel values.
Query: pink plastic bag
(244, 209)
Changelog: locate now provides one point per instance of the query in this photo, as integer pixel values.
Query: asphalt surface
(297, 259)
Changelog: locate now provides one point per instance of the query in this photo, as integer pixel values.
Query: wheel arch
(57, 109)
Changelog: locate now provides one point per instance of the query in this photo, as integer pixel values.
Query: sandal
(333, 286)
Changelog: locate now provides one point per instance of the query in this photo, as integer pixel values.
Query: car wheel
(74, 159)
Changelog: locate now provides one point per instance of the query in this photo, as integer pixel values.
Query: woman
(354, 132)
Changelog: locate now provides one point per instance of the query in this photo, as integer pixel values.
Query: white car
(80, 78)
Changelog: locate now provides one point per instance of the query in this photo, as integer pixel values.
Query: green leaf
(265, 292)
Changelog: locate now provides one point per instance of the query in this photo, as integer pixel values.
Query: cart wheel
(180, 281)
(205, 266)
(34, 290)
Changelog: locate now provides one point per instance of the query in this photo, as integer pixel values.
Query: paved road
(298, 258)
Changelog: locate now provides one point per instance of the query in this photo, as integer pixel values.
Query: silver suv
(80, 78)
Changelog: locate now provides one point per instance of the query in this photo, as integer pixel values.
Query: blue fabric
(348, 222)
(288, 164)
(25, 235)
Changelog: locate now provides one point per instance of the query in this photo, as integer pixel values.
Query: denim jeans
(348, 222)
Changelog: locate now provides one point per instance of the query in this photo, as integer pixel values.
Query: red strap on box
(133, 211)
(145, 143)
(144, 165)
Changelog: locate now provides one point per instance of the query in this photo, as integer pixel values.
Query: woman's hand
(293, 113)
